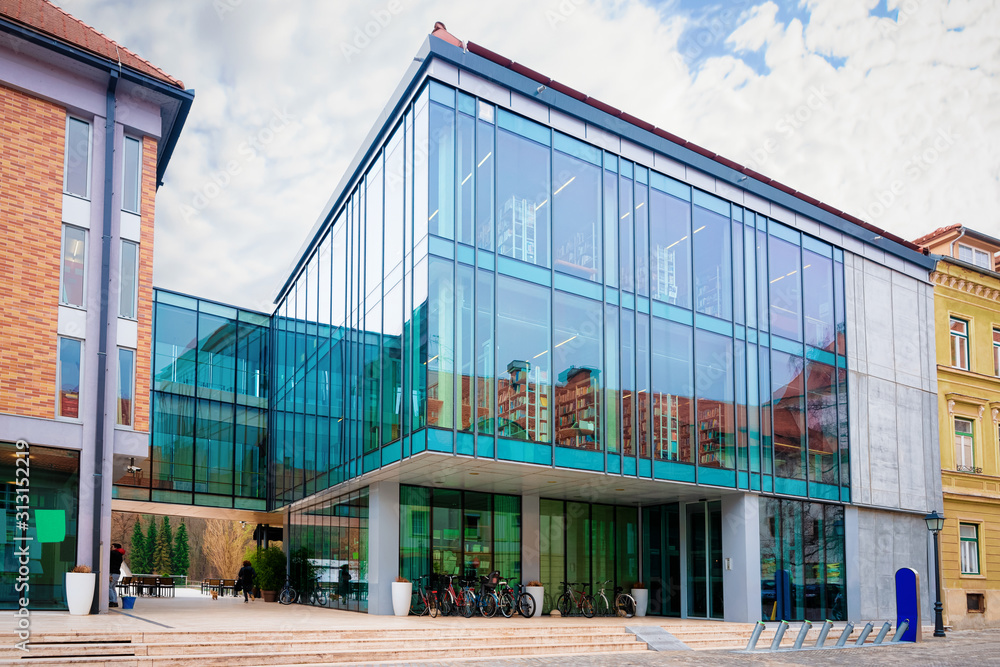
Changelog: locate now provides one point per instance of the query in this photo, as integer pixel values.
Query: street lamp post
(935, 524)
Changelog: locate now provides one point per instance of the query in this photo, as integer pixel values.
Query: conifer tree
(161, 550)
(168, 536)
(138, 559)
(151, 537)
(182, 556)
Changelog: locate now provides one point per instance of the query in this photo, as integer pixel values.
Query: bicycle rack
(823, 634)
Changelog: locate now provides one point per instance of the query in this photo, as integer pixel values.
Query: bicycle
(318, 597)
(601, 605)
(506, 598)
(573, 598)
(488, 598)
(524, 602)
(624, 603)
(287, 594)
(424, 601)
(462, 601)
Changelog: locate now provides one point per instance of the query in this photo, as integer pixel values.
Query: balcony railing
(971, 469)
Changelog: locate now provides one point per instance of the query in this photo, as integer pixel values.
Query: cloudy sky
(889, 109)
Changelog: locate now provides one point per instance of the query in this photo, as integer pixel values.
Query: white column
(531, 559)
(383, 545)
(741, 557)
(852, 563)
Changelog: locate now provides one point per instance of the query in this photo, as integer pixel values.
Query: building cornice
(966, 285)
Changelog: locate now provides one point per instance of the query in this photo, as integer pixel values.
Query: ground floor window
(802, 561)
(588, 543)
(50, 490)
(969, 538)
(328, 544)
(462, 533)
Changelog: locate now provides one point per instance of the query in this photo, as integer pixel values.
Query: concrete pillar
(531, 553)
(852, 563)
(383, 545)
(741, 557)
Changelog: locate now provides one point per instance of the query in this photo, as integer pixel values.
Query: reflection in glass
(126, 388)
(392, 364)
(628, 381)
(817, 301)
(441, 344)
(74, 255)
(641, 239)
(670, 230)
(612, 385)
(626, 235)
(714, 382)
(373, 234)
(465, 344)
(787, 397)
(522, 360)
(484, 185)
(466, 139)
(642, 384)
(611, 228)
(712, 264)
(821, 417)
(441, 171)
(577, 332)
(673, 389)
(522, 198)
(70, 360)
(485, 364)
(576, 217)
(786, 293)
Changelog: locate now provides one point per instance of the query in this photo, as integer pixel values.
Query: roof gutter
(183, 97)
(957, 238)
(102, 347)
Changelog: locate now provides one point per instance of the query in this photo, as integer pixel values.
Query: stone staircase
(311, 647)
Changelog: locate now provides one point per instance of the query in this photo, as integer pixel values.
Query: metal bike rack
(867, 630)
(823, 632)
(803, 631)
(759, 628)
(900, 631)
(848, 629)
(776, 642)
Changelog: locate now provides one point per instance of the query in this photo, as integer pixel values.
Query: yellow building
(967, 325)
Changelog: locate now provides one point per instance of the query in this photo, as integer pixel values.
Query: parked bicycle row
(452, 595)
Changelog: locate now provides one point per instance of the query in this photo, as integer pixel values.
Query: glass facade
(462, 533)
(332, 536)
(47, 501)
(588, 543)
(492, 287)
(802, 561)
(208, 406)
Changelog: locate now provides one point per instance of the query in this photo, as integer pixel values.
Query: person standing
(117, 556)
(246, 576)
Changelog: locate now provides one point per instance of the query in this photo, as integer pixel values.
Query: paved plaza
(969, 648)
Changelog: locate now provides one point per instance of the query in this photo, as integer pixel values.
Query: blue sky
(884, 108)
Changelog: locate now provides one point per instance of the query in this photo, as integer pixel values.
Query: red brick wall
(147, 209)
(32, 136)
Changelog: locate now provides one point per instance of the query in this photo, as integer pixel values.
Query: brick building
(86, 132)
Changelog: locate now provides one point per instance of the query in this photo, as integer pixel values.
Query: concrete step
(342, 655)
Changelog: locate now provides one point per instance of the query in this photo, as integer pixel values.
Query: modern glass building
(532, 333)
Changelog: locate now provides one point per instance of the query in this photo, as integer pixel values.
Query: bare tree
(224, 544)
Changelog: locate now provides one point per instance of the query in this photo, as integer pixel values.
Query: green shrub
(269, 564)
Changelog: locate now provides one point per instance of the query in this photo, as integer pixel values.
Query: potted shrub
(537, 591)
(269, 566)
(641, 595)
(80, 582)
(402, 591)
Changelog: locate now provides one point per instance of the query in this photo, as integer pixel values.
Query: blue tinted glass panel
(523, 204)
(465, 137)
(611, 228)
(787, 398)
(785, 280)
(576, 217)
(673, 391)
(578, 358)
(523, 360)
(441, 172)
(715, 420)
(818, 300)
(713, 293)
(484, 185)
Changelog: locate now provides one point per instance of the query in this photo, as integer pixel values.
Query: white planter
(641, 596)
(80, 592)
(402, 592)
(537, 592)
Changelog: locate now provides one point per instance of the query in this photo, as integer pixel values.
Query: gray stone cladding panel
(888, 541)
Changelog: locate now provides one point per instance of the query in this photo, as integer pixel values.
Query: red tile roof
(597, 104)
(45, 18)
(922, 241)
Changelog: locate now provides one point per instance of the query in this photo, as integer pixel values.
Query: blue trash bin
(128, 602)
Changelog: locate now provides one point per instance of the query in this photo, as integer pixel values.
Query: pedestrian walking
(245, 578)
(117, 557)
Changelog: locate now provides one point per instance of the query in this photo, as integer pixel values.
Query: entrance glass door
(662, 558)
(704, 559)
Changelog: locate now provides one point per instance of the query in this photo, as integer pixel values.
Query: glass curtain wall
(41, 511)
(802, 561)
(332, 537)
(490, 286)
(462, 533)
(209, 408)
(590, 543)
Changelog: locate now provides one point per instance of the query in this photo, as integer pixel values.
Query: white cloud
(913, 104)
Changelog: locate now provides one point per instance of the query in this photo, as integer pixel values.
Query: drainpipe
(952, 251)
(102, 348)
